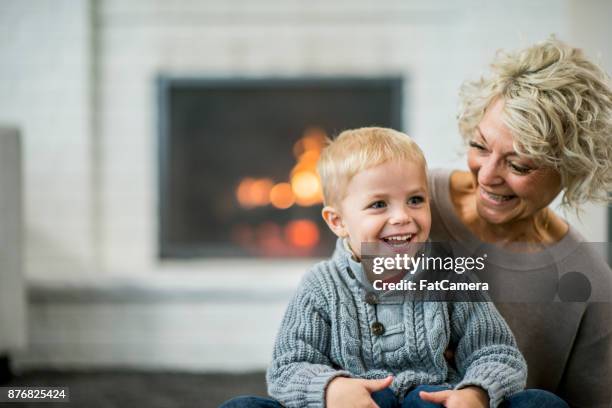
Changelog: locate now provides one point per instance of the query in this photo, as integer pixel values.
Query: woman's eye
(378, 204)
(519, 169)
(476, 145)
(416, 200)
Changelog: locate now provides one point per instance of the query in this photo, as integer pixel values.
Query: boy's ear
(334, 221)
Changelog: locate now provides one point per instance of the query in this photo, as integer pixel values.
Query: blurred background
(158, 201)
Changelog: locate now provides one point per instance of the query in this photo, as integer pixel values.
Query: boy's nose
(400, 216)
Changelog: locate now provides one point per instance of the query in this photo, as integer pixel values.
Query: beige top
(568, 346)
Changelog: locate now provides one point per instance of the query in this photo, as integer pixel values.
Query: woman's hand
(353, 392)
(469, 397)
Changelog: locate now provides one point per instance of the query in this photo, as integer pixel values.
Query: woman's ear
(334, 221)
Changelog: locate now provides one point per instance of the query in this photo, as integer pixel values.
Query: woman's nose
(489, 174)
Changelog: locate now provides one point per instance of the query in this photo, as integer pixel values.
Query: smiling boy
(375, 188)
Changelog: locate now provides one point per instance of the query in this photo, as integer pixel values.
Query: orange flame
(254, 192)
(281, 196)
(302, 233)
(304, 187)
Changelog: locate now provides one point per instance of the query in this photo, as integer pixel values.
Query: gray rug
(120, 388)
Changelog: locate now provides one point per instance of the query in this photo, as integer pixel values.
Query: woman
(539, 125)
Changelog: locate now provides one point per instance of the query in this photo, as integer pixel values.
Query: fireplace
(237, 160)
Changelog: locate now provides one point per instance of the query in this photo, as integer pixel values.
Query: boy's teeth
(400, 238)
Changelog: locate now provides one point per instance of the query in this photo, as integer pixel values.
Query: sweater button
(378, 329)
(371, 298)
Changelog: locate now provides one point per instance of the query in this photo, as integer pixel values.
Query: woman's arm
(586, 379)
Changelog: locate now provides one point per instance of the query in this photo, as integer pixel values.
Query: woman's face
(508, 187)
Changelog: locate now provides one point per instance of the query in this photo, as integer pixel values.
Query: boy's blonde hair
(356, 150)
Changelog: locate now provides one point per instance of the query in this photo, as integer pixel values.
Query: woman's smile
(497, 200)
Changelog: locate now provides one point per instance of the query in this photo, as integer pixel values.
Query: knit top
(328, 331)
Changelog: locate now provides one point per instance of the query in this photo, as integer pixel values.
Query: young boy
(342, 343)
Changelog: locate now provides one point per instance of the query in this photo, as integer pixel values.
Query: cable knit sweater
(327, 332)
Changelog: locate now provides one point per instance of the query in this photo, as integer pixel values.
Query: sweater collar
(351, 268)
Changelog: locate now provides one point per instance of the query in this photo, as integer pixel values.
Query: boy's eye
(378, 204)
(416, 200)
(519, 169)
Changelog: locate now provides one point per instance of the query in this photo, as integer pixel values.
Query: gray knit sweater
(327, 332)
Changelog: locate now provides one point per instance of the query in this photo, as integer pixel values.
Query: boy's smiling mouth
(404, 243)
(398, 239)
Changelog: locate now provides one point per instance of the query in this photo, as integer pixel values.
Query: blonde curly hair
(558, 107)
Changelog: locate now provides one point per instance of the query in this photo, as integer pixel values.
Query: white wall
(44, 91)
(590, 30)
(12, 282)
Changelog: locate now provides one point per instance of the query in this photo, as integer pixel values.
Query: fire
(305, 181)
(304, 186)
(313, 140)
(269, 238)
(281, 196)
(243, 192)
(254, 192)
(302, 233)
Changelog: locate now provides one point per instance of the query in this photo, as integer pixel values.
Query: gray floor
(119, 388)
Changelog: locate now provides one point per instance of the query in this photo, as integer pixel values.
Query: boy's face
(388, 203)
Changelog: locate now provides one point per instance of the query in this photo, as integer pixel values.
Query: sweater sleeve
(586, 380)
(487, 355)
(301, 369)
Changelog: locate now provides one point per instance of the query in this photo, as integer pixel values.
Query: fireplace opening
(237, 160)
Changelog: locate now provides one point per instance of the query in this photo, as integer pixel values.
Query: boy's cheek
(355, 247)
